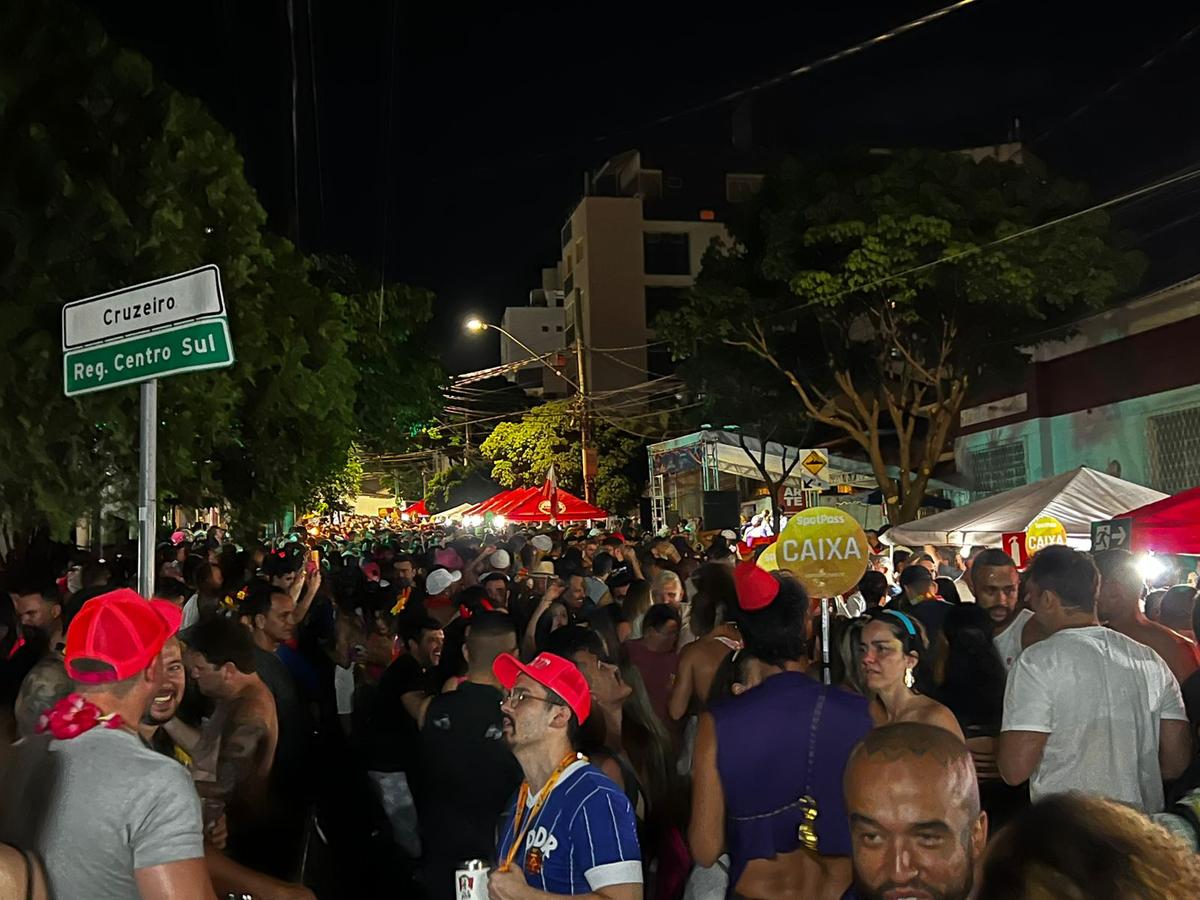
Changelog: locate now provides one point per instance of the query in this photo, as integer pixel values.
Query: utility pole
(590, 461)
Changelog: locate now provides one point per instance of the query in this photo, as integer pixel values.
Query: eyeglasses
(516, 697)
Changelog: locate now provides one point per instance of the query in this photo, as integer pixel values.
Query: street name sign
(163, 327)
(143, 307)
(165, 351)
(1115, 534)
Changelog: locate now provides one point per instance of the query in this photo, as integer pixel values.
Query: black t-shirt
(394, 734)
(295, 726)
(472, 774)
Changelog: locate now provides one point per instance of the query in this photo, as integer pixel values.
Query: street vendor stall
(1074, 499)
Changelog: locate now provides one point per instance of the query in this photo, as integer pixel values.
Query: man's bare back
(1177, 651)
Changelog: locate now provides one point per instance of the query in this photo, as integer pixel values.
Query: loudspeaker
(645, 513)
(721, 510)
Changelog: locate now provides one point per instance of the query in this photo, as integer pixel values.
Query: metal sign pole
(825, 603)
(148, 487)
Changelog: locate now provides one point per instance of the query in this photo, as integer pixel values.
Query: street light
(476, 325)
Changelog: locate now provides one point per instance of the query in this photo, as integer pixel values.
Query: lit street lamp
(476, 325)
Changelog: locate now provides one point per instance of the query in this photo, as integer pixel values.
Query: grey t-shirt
(97, 807)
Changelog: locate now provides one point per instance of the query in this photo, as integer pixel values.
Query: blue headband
(908, 624)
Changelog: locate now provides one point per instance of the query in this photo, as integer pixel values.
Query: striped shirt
(585, 836)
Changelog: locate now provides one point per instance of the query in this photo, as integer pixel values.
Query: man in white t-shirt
(1088, 709)
(996, 587)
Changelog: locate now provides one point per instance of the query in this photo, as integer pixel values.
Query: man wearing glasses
(571, 831)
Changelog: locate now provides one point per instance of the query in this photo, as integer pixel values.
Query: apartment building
(631, 244)
(541, 327)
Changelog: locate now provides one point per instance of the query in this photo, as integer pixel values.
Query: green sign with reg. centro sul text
(186, 348)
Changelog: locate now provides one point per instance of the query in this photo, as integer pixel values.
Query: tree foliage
(442, 485)
(337, 493)
(399, 387)
(880, 288)
(523, 451)
(111, 178)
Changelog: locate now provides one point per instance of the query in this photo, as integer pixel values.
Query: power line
(799, 70)
(645, 346)
(387, 156)
(1116, 85)
(629, 365)
(640, 434)
(1187, 175)
(312, 78)
(535, 156)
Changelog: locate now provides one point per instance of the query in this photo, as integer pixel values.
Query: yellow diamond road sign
(814, 462)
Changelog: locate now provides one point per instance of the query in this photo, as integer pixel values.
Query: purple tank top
(765, 739)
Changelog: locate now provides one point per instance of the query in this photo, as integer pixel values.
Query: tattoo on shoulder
(45, 685)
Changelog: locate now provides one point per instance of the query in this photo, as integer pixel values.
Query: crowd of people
(363, 712)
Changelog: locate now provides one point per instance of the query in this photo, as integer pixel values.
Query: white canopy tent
(1076, 498)
(454, 512)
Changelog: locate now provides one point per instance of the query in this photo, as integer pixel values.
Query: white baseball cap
(500, 559)
(439, 580)
(542, 542)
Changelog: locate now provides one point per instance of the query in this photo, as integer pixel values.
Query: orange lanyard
(522, 822)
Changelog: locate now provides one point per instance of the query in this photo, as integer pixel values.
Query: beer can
(470, 880)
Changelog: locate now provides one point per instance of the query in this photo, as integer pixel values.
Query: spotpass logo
(822, 519)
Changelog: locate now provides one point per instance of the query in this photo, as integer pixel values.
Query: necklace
(523, 818)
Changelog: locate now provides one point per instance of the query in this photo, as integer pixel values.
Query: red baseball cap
(553, 673)
(122, 629)
(756, 587)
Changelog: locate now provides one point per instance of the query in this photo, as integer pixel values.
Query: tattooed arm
(237, 760)
(45, 685)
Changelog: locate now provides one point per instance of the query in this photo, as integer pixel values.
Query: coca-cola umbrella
(536, 507)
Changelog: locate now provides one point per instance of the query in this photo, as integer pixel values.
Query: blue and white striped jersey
(584, 837)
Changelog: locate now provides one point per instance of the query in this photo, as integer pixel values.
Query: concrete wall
(542, 328)
(605, 259)
(1091, 437)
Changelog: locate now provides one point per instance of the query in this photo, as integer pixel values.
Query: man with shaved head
(916, 829)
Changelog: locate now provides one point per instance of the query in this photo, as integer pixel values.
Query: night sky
(466, 128)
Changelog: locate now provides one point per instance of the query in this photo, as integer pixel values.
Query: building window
(1173, 448)
(568, 285)
(996, 469)
(546, 328)
(558, 328)
(666, 253)
(578, 251)
(742, 187)
(650, 184)
(674, 182)
(565, 235)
